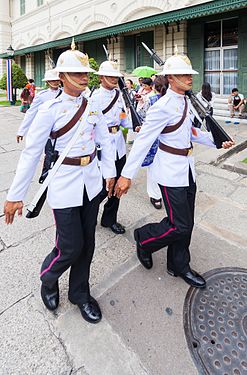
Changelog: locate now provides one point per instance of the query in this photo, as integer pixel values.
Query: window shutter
(129, 50)
(94, 48)
(195, 44)
(148, 39)
(242, 55)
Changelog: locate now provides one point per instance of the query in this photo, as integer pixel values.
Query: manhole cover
(215, 323)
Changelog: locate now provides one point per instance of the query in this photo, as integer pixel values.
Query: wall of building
(5, 30)
(57, 19)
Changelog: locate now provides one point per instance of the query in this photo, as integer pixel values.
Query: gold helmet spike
(73, 46)
(176, 50)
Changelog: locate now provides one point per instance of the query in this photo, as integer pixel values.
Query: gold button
(83, 147)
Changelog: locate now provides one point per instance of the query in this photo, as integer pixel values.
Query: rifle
(136, 120)
(218, 133)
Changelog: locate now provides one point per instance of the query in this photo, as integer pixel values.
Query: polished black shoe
(117, 228)
(191, 277)
(50, 297)
(157, 203)
(90, 311)
(144, 256)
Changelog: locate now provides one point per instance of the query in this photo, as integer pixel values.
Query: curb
(240, 147)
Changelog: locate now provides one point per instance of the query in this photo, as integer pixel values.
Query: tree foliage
(19, 79)
(93, 78)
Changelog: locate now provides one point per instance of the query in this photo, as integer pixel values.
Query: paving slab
(13, 234)
(30, 346)
(98, 349)
(146, 307)
(231, 226)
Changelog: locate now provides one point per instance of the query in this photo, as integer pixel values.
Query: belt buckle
(85, 160)
(190, 151)
(114, 129)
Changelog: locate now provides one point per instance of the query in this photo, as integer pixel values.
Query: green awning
(196, 11)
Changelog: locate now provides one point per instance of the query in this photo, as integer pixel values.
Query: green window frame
(22, 7)
(40, 2)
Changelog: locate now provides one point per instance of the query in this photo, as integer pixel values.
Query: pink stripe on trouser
(55, 259)
(169, 230)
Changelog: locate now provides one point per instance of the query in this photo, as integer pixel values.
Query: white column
(5, 32)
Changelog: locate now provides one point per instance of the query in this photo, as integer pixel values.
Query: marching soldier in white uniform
(170, 119)
(53, 81)
(112, 105)
(73, 193)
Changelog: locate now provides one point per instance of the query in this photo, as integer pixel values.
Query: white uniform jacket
(39, 99)
(113, 118)
(167, 169)
(67, 186)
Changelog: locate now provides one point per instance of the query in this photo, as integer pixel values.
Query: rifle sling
(71, 123)
(107, 109)
(172, 128)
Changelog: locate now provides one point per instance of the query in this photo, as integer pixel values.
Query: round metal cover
(215, 322)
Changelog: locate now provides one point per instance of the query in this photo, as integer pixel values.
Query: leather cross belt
(80, 160)
(113, 129)
(176, 151)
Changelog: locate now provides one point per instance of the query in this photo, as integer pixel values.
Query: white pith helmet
(178, 64)
(73, 61)
(51, 75)
(109, 68)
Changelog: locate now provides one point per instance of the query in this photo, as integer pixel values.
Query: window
(39, 2)
(135, 53)
(22, 7)
(221, 55)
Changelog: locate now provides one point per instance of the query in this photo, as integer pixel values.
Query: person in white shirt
(111, 101)
(170, 119)
(53, 82)
(236, 103)
(73, 193)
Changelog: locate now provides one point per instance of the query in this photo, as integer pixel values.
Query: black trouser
(174, 230)
(75, 242)
(109, 215)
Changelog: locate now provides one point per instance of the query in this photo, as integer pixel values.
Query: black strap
(172, 128)
(107, 109)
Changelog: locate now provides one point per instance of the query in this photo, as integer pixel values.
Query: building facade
(213, 33)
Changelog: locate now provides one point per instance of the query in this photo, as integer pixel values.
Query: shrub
(93, 78)
(19, 79)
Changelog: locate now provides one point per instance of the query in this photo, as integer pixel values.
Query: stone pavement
(142, 330)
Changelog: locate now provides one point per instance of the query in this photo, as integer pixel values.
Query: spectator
(207, 97)
(143, 95)
(153, 77)
(25, 100)
(132, 92)
(139, 85)
(31, 87)
(236, 103)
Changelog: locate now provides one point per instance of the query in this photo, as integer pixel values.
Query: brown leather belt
(113, 129)
(80, 160)
(176, 151)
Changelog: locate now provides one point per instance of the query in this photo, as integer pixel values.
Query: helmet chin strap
(53, 86)
(110, 84)
(75, 84)
(182, 84)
